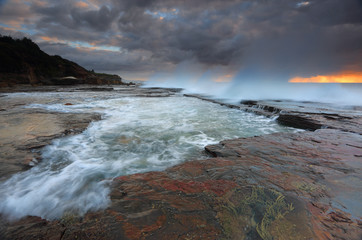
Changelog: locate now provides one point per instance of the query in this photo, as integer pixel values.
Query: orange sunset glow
(224, 78)
(82, 5)
(344, 77)
(49, 39)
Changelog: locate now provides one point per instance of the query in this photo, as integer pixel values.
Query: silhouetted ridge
(23, 62)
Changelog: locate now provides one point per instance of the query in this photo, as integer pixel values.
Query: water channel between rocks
(136, 135)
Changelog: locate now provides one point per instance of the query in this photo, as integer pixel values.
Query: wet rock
(208, 99)
(95, 89)
(250, 103)
(25, 132)
(303, 185)
(312, 121)
(32, 228)
(304, 115)
(299, 121)
(167, 89)
(278, 186)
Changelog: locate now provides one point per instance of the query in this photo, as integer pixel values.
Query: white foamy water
(135, 135)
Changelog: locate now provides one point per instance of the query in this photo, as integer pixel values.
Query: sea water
(136, 134)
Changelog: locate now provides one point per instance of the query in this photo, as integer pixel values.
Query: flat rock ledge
(25, 131)
(304, 115)
(304, 185)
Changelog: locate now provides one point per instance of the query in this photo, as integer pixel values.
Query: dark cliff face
(23, 62)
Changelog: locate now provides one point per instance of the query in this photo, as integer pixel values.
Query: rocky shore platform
(305, 185)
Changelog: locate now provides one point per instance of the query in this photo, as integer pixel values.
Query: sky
(260, 42)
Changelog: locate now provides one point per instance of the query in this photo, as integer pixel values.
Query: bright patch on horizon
(89, 46)
(14, 26)
(344, 77)
(163, 13)
(82, 45)
(224, 79)
(82, 4)
(6, 27)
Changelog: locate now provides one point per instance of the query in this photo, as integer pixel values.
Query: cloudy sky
(218, 40)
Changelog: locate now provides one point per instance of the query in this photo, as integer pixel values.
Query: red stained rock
(317, 172)
(219, 187)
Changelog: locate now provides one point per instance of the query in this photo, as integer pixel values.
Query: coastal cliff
(23, 62)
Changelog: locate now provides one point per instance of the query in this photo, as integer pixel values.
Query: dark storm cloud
(69, 16)
(197, 29)
(311, 37)
(334, 12)
(295, 37)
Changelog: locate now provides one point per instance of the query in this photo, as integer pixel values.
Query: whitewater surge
(135, 135)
